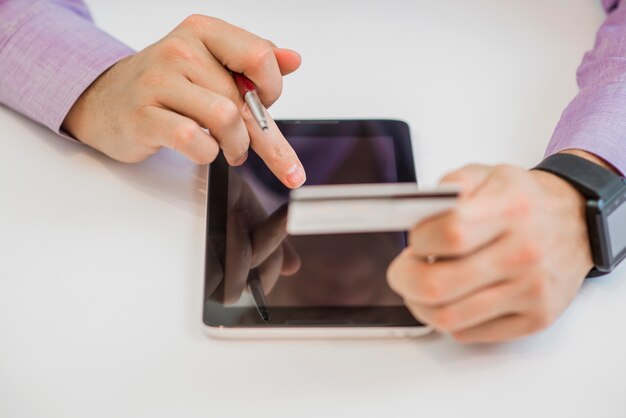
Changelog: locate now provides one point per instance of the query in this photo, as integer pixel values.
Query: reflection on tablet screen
(323, 270)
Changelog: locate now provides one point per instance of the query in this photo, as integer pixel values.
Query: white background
(101, 262)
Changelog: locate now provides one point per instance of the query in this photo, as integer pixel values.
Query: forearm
(50, 52)
(595, 121)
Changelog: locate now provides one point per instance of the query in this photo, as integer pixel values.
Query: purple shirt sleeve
(50, 52)
(595, 121)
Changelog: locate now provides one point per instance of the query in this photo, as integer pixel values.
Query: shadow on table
(168, 177)
(165, 176)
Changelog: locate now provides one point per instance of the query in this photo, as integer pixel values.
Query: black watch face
(616, 225)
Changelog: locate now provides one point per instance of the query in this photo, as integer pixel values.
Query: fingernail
(296, 176)
(242, 159)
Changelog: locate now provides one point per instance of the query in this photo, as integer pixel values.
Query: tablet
(261, 282)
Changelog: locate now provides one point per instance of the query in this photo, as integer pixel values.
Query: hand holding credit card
(337, 209)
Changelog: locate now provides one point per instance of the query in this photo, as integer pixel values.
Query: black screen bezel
(215, 314)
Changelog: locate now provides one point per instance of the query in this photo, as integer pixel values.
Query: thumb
(469, 178)
(288, 60)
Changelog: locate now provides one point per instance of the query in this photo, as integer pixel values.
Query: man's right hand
(167, 93)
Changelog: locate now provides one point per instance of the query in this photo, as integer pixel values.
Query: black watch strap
(591, 180)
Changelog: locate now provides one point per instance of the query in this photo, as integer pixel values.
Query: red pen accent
(243, 83)
(247, 89)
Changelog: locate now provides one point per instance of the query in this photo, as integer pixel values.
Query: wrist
(83, 114)
(74, 123)
(561, 191)
(571, 207)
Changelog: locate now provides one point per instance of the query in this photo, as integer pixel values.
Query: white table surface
(101, 262)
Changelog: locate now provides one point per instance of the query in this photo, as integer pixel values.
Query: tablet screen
(313, 275)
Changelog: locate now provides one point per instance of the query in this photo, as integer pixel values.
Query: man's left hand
(508, 259)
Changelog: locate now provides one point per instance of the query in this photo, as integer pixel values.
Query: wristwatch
(605, 192)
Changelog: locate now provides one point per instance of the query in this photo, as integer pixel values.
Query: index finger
(479, 217)
(461, 231)
(274, 150)
(239, 51)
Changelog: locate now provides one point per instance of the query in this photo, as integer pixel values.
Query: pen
(258, 296)
(248, 90)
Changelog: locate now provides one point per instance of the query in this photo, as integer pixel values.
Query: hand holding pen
(179, 93)
(247, 89)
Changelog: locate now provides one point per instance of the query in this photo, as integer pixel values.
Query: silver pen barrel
(257, 108)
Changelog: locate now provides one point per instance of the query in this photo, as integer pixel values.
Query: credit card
(340, 209)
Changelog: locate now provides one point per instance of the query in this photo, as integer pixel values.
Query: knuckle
(392, 276)
(505, 174)
(429, 290)
(393, 272)
(465, 176)
(528, 255)
(282, 150)
(541, 320)
(445, 319)
(261, 57)
(230, 91)
(464, 173)
(506, 170)
(261, 54)
(184, 133)
(454, 235)
(197, 21)
(225, 112)
(176, 48)
(395, 278)
(208, 157)
(455, 177)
